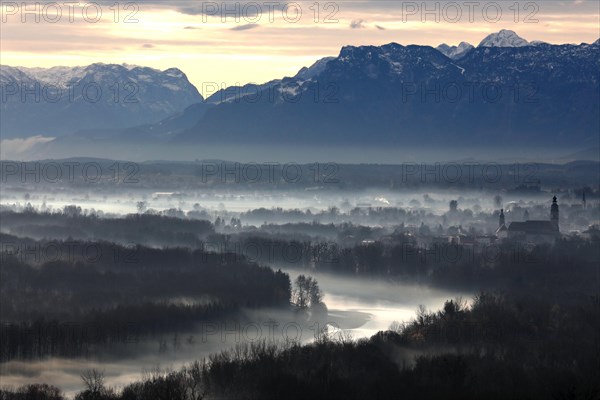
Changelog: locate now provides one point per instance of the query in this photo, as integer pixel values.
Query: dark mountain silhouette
(399, 95)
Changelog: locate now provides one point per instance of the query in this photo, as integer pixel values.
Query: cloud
(244, 27)
(217, 9)
(15, 148)
(381, 28)
(191, 27)
(357, 24)
(148, 46)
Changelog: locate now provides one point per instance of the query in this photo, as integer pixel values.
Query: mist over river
(360, 308)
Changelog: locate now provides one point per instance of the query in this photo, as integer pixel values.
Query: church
(537, 232)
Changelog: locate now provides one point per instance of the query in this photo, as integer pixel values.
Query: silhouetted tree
(453, 205)
(306, 292)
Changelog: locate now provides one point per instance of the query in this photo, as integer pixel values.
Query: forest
(98, 293)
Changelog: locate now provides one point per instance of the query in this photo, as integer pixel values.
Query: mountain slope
(251, 91)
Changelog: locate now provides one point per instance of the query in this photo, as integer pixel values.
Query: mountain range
(505, 91)
(63, 100)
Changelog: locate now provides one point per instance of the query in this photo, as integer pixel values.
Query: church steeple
(554, 213)
(502, 231)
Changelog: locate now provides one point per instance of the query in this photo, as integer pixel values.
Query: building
(536, 232)
(502, 231)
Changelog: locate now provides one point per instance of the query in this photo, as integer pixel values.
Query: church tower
(502, 231)
(554, 214)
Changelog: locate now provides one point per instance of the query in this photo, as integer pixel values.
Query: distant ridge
(67, 99)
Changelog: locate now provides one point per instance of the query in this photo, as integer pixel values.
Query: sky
(231, 42)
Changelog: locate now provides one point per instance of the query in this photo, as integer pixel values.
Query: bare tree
(194, 377)
(93, 380)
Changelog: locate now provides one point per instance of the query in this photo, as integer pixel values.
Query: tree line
(77, 300)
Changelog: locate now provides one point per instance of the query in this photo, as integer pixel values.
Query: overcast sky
(268, 40)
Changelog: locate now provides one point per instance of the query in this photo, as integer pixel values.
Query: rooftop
(532, 227)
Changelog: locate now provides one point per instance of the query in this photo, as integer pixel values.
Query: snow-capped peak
(55, 75)
(504, 38)
(455, 52)
(63, 76)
